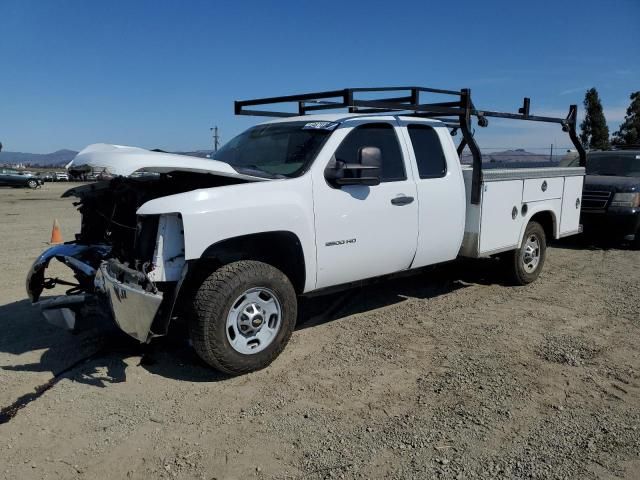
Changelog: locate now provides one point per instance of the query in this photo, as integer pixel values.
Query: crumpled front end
(104, 287)
(64, 311)
(125, 267)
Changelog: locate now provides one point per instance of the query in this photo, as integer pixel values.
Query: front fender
(212, 215)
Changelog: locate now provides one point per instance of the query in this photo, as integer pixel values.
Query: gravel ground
(445, 374)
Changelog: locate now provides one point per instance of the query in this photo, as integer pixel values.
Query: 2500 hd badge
(339, 242)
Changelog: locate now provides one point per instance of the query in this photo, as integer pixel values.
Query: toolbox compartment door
(499, 228)
(570, 216)
(536, 189)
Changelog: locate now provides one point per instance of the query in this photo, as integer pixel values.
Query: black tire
(519, 270)
(213, 302)
(32, 184)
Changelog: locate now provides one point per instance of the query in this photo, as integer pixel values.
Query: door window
(381, 135)
(428, 151)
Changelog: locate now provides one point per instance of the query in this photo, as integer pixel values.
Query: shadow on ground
(97, 356)
(100, 346)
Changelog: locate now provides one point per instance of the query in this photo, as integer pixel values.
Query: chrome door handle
(402, 200)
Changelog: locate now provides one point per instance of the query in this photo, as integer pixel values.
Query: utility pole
(551, 154)
(216, 138)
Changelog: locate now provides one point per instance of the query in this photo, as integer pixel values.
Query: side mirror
(365, 172)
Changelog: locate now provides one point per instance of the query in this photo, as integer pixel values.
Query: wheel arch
(281, 249)
(547, 218)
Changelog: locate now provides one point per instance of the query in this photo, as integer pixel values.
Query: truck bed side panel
(510, 198)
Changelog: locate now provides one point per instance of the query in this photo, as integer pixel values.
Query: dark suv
(611, 195)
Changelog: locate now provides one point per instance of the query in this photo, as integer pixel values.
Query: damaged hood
(119, 160)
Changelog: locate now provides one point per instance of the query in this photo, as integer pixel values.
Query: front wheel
(32, 184)
(525, 263)
(243, 316)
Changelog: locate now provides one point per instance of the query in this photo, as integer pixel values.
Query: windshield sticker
(320, 126)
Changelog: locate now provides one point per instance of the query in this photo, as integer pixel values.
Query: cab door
(440, 188)
(365, 231)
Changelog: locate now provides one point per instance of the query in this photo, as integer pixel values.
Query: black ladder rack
(456, 113)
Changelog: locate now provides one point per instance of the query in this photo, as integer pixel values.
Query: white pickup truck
(300, 204)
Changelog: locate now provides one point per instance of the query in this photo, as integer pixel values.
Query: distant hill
(62, 157)
(54, 159)
(518, 157)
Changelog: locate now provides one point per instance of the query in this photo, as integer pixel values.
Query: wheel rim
(531, 253)
(254, 320)
(32, 184)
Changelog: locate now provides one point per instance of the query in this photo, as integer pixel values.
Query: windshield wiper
(256, 171)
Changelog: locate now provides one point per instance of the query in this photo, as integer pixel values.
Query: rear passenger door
(365, 231)
(440, 188)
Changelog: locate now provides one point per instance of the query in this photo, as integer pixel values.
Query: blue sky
(160, 73)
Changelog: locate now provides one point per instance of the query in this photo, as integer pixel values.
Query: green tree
(629, 132)
(594, 131)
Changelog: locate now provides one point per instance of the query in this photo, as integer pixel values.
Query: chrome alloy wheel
(531, 253)
(254, 320)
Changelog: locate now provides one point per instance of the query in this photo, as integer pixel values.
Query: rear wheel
(525, 263)
(243, 316)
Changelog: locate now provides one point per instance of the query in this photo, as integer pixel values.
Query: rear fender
(544, 213)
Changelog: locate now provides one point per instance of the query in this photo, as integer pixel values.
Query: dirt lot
(447, 374)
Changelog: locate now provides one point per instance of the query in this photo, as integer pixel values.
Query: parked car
(611, 196)
(15, 178)
(104, 175)
(46, 176)
(297, 206)
(61, 176)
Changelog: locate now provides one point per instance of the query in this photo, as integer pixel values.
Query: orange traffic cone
(56, 236)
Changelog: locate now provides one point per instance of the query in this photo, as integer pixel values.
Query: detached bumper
(134, 302)
(62, 311)
(82, 259)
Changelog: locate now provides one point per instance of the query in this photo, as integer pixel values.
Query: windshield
(614, 164)
(277, 150)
